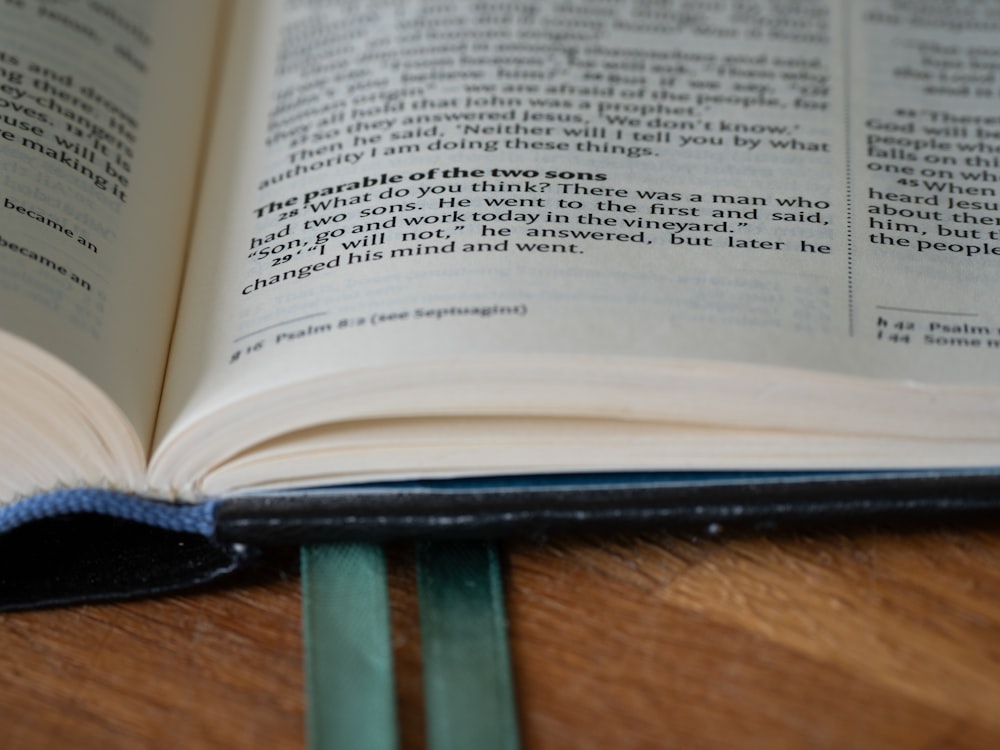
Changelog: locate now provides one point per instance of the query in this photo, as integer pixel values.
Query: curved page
(403, 195)
(102, 111)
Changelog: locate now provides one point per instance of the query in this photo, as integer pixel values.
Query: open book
(252, 248)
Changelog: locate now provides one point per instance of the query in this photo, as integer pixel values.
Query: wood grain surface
(884, 638)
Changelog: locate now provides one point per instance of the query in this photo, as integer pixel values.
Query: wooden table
(867, 639)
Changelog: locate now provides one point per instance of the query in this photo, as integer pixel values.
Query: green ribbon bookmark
(468, 685)
(351, 703)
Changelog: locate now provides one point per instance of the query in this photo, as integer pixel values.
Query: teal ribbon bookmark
(350, 693)
(468, 684)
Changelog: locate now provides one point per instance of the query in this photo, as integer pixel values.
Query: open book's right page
(797, 184)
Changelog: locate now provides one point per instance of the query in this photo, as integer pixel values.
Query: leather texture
(537, 506)
(50, 556)
(72, 559)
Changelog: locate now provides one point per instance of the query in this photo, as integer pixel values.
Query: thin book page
(922, 166)
(424, 182)
(103, 117)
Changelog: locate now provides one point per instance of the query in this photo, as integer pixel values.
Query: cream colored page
(102, 108)
(924, 167)
(420, 181)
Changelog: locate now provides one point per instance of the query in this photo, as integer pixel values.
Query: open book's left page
(102, 112)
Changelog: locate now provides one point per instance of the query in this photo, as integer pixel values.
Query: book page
(102, 110)
(431, 182)
(922, 211)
